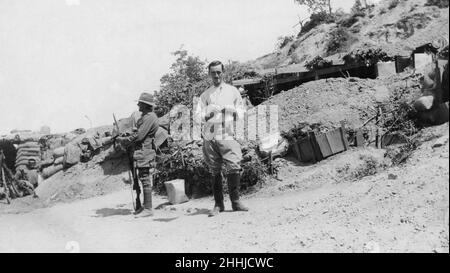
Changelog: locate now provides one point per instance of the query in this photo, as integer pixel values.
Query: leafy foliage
(315, 6)
(393, 4)
(187, 78)
(400, 115)
(236, 71)
(338, 37)
(283, 41)
(349, 20)
(318, 63)
(439, 3)
(185, 161)
(367, 55)
(315, 20)
(301, 130)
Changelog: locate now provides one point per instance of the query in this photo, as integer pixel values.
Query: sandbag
(28, 153)
(24, 162)
(47, 172)
(46, 163)
(22, 158)
(28, 145)
(424, 103)
(106, 141)
(59, 160)
(30, 149)
(94, 142)
(72, 154)
(58, 152)
(175, 191)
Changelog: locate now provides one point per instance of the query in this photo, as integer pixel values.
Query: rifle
(3, 178)
(136, 187)
(132, 173)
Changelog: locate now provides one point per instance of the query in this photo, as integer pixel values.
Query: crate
(317, 146)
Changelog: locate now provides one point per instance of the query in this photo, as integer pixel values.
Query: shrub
(438, 3)
(393, 4)
(185, 161)
(187, 78)
(284, 41)
(399, 154)
(236, 71)
(367, 55)
(337, 39)
(369, 166)
(318, 63)
(349, 20)
(315, 20)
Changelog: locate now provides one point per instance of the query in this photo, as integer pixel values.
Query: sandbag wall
(55, 164)
(26, 151)
(71, 154)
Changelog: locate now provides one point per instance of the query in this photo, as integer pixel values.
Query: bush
(369, 166)
(318, 63)
(393, 4)
(283, 41)
(236, 71)
(184, 160)
(367, 55)
(438, 3)
(315, 20)
(348, 21)
(400, 115)
(337, 40)
(187, 78)
(399, 154)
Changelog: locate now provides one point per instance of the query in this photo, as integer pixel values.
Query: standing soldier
(217, 106)
(142, 140)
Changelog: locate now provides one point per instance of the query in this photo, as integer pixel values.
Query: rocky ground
(343, 204)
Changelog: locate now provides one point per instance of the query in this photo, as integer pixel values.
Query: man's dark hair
(216, 63)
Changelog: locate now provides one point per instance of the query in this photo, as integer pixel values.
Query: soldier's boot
(147, 209)
(234, 180)
(218, 195)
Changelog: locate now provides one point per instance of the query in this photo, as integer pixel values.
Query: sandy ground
(399, 209)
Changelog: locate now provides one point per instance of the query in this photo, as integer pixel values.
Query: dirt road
(400, 209)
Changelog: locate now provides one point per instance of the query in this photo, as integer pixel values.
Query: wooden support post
(344, 136)
(377, 137)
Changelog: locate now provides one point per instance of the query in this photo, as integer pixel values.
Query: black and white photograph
(253, 127)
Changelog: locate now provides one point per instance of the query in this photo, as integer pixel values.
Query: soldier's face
(141, 107)
(216, 74)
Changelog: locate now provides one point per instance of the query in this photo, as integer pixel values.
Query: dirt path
(402, 209)
(332, 218)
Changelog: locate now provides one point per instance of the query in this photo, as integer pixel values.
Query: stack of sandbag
(57, 164)
(27, 151)
(82, 147)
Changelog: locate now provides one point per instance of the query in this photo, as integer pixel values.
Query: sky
(71, 64)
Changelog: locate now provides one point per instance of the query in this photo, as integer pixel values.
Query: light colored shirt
(216, 100)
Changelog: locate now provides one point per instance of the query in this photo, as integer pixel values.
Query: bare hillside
(395, 26)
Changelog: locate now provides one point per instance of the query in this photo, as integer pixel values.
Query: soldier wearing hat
(144, 153)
